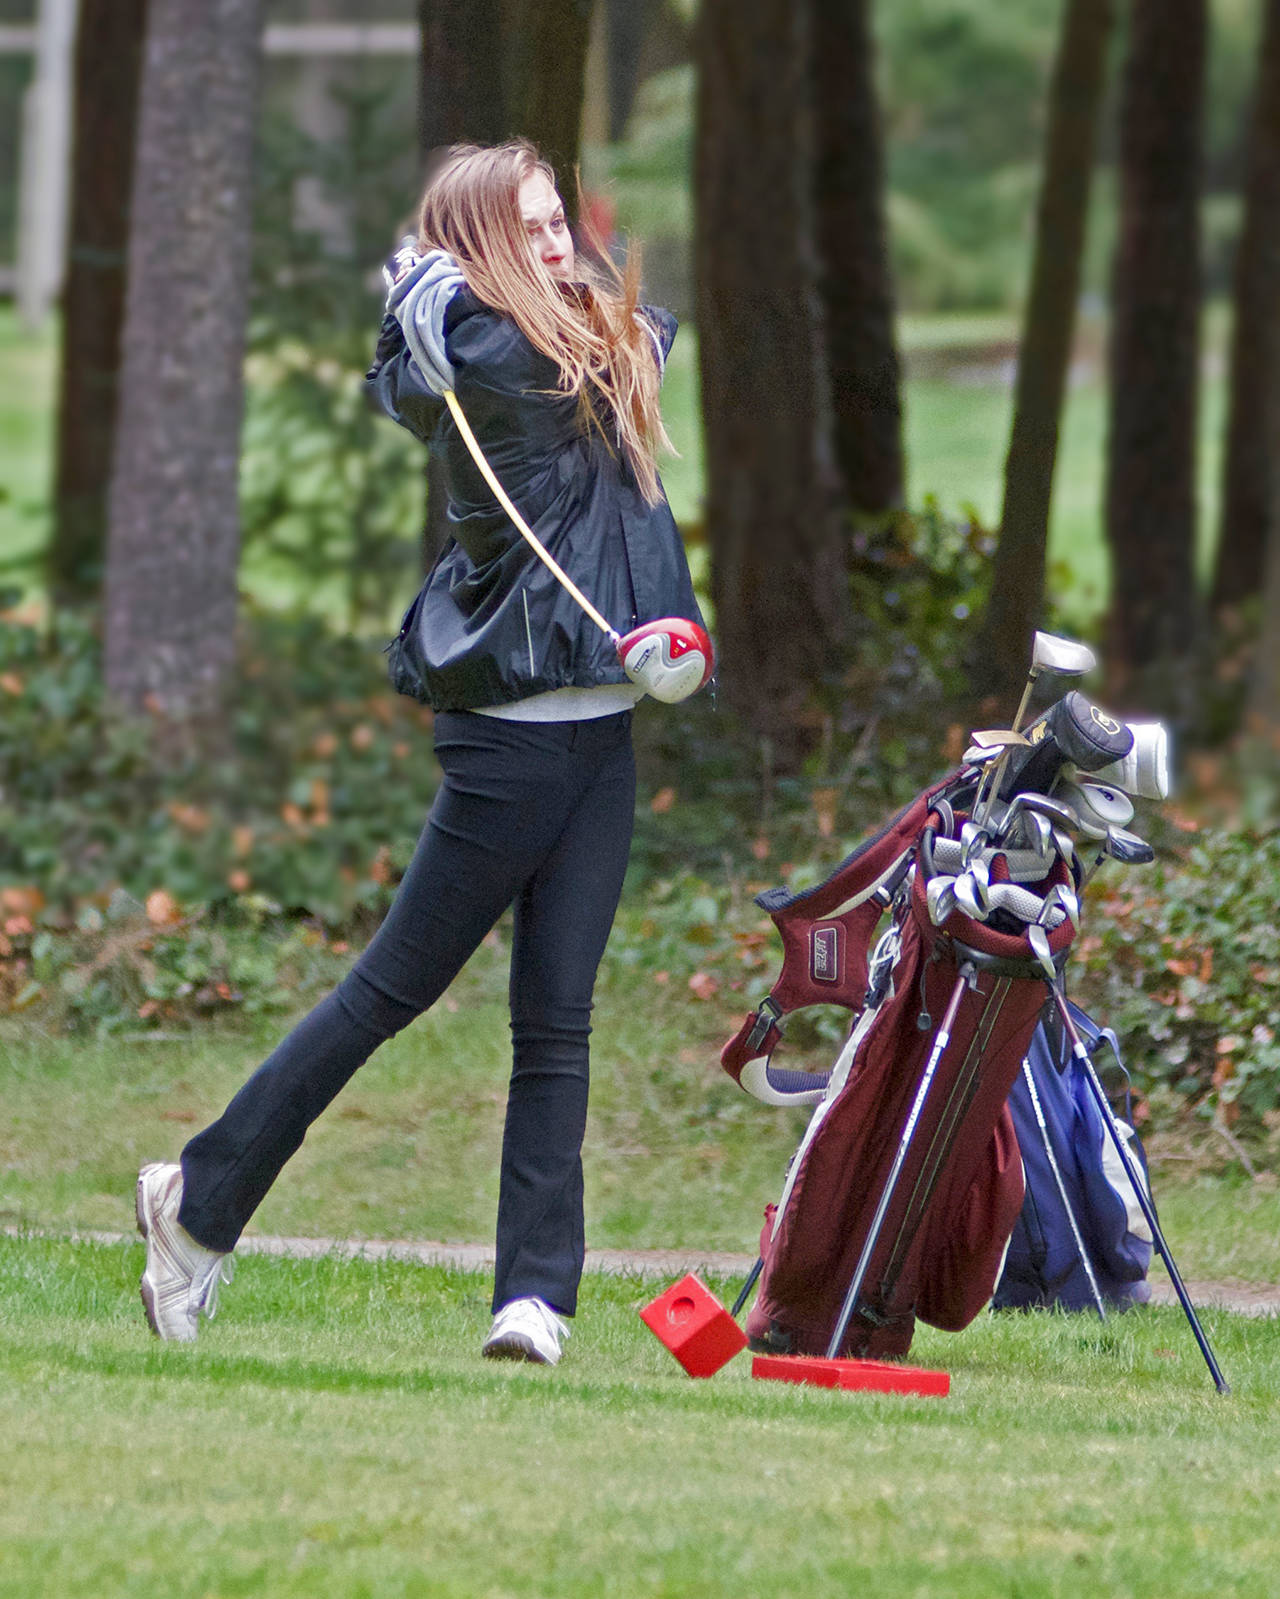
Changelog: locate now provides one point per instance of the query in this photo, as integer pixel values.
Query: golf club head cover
(670, 659)
(1073, 730)
(1144, 771)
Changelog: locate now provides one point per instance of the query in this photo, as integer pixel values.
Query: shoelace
(205, 1285)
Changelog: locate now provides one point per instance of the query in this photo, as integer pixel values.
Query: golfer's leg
(496, 815)
(562, 921)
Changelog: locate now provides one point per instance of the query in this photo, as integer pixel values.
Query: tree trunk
(460, 101)
(1262, 720)
(460, 95)
(626, 23)
(857, 293)
(1018, 571)
(778, 572)
(106, 104)
(1150, 480)
(1248, 500)
(174, 533)
(547, 53)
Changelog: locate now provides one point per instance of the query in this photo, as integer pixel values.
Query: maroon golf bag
(901, 1197)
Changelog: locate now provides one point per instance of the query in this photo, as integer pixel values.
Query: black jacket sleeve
(394, 384)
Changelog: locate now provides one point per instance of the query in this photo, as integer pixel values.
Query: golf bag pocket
(1081, 1241)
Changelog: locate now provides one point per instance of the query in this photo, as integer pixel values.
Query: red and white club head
(670, 659)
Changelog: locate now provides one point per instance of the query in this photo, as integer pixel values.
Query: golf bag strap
(826, 932)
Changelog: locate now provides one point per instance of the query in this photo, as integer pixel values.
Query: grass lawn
(335, 1434)
(27, 388)
(676, 1157)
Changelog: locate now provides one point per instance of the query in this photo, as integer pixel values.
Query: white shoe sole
(516, 1346)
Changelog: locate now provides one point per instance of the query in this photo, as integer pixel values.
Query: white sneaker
(181, 1277)
(526, 1329)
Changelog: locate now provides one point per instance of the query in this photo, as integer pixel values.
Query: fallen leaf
(663, 801)
(22, 900)
(702, 985)
(162, 909)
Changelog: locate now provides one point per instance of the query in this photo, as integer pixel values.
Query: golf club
(1073, 730)
(670, 659)
(1097, 806)
(1122, 846)
(1063, 657)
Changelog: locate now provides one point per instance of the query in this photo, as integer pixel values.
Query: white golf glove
(400, 263)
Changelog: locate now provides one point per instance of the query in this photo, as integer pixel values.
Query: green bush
(1183, 958)
(322, 797)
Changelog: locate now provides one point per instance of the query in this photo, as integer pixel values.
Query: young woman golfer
(556, 369)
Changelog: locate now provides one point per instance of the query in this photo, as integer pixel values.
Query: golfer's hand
(400, 263)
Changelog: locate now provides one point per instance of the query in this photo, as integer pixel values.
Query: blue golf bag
(1081, 1241)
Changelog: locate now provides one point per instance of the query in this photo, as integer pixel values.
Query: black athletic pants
(535, 815)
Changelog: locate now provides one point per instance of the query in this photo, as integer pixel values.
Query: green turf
(676, 1154)
(27, 387)
(335, 1434)
(676, 1157)
(957, 436)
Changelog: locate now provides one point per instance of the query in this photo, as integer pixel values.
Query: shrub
(1183, 959)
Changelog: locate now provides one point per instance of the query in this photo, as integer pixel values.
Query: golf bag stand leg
(1131, 1171)
(747, 1286)
(941, 1040)
(1037, 1108)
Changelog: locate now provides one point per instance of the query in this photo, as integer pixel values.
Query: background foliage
(154, 895)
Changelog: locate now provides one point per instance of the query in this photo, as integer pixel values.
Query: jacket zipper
(528, 633)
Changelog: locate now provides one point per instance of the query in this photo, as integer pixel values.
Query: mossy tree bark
(779, 577)
(1016, 600)
(852, 239)
(460, 101)
(1154, 360)
(1253, 418)
(173, 525)
(105, 124)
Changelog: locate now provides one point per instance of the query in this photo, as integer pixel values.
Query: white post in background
(45, 166)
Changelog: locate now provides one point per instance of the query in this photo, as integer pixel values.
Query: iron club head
(1127, 848)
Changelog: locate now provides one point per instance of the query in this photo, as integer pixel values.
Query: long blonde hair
(471, 208)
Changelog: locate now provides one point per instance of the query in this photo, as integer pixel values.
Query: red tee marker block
(874, 1376)
(694, 1326)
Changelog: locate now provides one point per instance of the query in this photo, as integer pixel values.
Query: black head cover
(1073, 730)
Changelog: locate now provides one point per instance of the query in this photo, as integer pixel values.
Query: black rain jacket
(491, 624)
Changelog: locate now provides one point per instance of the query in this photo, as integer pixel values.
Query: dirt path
(1248, 1299)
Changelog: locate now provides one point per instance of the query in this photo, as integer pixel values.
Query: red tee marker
(874, 1376)
(694, 1326)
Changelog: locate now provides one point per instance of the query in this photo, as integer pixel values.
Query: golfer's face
(546, 226)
